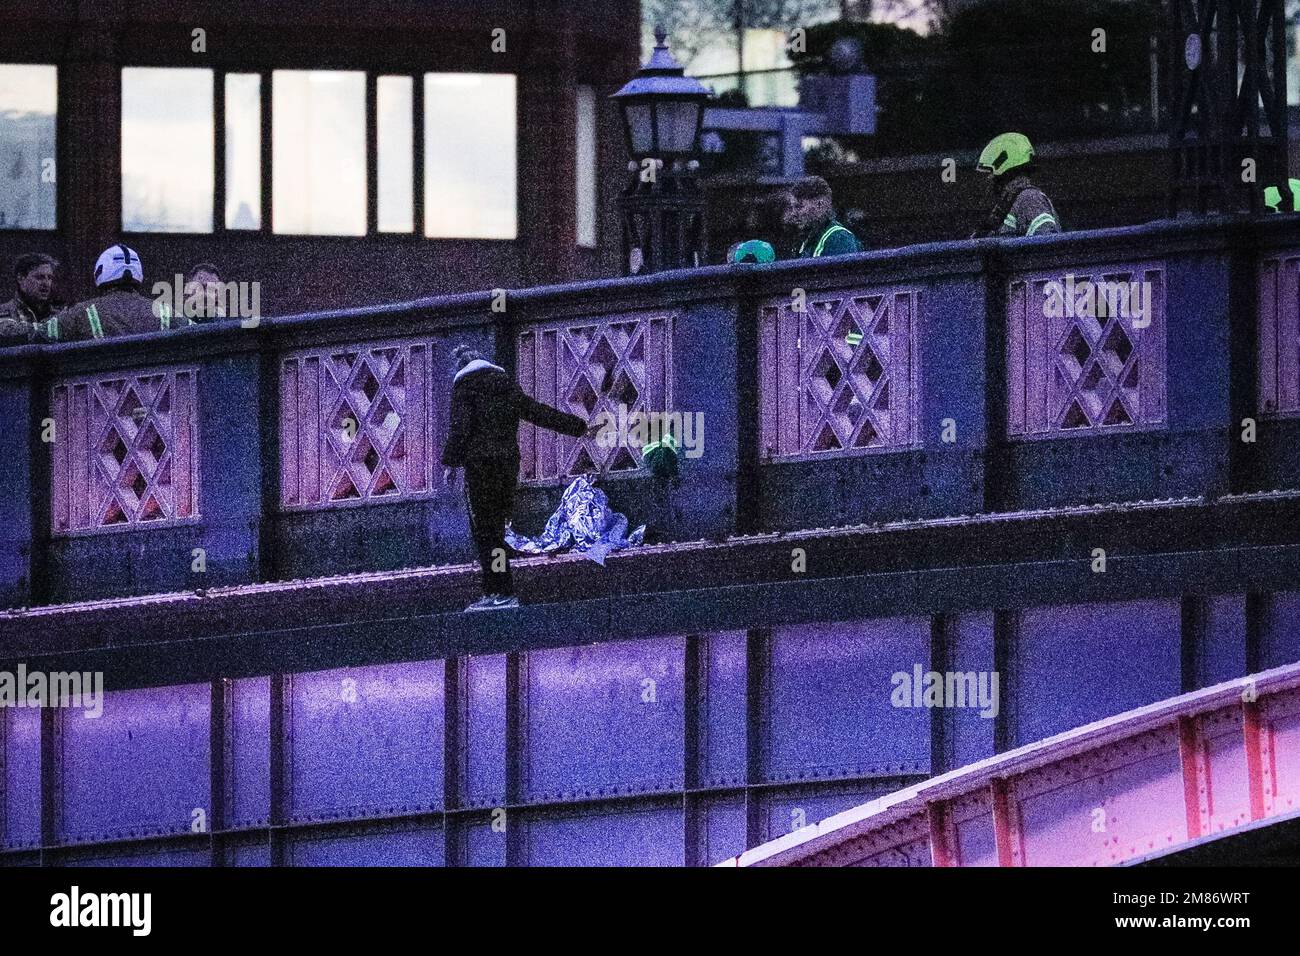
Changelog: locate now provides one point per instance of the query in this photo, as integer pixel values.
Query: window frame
(60, 135)
(265, 230)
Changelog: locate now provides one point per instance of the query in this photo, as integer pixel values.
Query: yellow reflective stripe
(165, 317)
(1041, 220)
(96, 328)
(1010, 221)
(52, 328)
(821, 243)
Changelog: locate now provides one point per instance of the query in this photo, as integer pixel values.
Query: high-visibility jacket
(1022, 210)
(832, 239)
(116, 312)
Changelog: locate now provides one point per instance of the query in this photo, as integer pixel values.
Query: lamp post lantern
(662, 207)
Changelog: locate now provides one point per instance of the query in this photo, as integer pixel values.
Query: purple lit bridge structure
(1208, 767)
(923, 462)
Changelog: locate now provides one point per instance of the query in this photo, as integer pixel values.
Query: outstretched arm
(552, 419)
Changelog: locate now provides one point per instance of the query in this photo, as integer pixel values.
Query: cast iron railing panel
(125, 450)
(1279, 334)
(355, 424)
(837, 372)
(621, 365)
(1086, 350)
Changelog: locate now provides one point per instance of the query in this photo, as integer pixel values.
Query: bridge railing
(1142, 363)
(1140, 784)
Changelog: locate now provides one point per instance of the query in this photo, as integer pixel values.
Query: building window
(838, 375)
(28, 105)
(243, 121)
(469, 156)
(621, 365)
(167, 150)
(585, 128)
(396, 160)
(1086, 351)
(321, 157)
(318, 146)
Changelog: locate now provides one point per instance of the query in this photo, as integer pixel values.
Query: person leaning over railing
(203, 294)
(806, 213)
(120, 308)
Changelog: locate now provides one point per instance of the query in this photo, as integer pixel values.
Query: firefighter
(1020, 208)
(120, 308)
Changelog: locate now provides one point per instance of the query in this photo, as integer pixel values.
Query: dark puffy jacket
(486, 407)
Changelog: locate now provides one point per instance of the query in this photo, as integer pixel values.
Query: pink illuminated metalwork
(1143, 783)
(838, 375)
(125, 450)
(620, 364)
(1086, 351)
(1279, 334)
(355, 424)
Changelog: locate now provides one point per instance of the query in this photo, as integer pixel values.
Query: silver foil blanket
(583, 523)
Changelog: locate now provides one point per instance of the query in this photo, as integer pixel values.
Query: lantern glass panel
(678, 124)
(640, 126)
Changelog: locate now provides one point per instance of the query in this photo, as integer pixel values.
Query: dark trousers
(490, 488)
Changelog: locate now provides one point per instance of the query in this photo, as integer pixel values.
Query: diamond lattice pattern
(134, 467)
(124, 450)
(1097, 371)
(847, 375)
(602, 367)
(365, 428)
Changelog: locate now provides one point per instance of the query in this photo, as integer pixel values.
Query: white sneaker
(486, 603)
(502, 600)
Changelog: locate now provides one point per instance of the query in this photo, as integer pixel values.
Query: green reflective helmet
(754, 250)
(1273, 196)
(661, 457)
(1006, 152)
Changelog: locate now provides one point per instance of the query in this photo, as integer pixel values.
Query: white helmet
(116, 262)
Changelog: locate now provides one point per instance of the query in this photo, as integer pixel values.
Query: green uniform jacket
(19, 323)
(829, 239)
(117, 312)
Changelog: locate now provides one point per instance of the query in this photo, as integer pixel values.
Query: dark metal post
(1228, 133)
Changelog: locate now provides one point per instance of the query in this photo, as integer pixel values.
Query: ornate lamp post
(662, 208)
